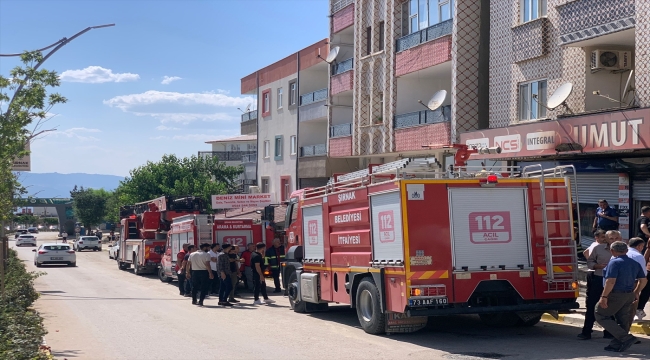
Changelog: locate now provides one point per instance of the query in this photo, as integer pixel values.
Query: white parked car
(114, 251)
(88, 242)
(26, 239)
(54, 254)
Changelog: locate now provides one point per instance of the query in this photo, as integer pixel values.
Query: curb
(641, 328)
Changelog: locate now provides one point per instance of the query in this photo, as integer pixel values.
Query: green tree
(192, 176)
(21, 117)
(89, 205)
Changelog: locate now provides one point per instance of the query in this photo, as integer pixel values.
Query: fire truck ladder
(557, 277)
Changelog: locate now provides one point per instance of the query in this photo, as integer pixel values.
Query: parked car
(20, 232)
(33, 230)
(26, 239)
(54, 254)
(54, 227)
(88, 242)
(114, 251)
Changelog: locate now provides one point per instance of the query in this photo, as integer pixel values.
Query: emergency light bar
(489, 181)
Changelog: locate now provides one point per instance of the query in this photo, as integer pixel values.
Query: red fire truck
(144, 230)
(404, 241)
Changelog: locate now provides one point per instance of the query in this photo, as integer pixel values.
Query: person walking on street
(187, 268)
(248, 269)
(643, 224)
(624, 279)
(606, 217)
(223, 268)
(214, 283)
(600, 237)
(259, 283)
(180, 268)
(634, 251)
(201, 273)
(234, 272)
(275, 257)
(598, 259)
(64, 235)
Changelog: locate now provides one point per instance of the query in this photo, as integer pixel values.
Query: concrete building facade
(237, 151)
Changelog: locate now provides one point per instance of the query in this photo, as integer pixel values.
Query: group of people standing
(617, 278)
(214, 269)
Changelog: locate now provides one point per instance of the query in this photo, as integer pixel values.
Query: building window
(369, 40)
(278, 147)
(265, 185)
(266, 102)
(267, 148)
(294, 147)
(285, 187)
(425, 13)
(531, 95)
(279, 98)
(381, 36)
(293, 91)
(531, 9)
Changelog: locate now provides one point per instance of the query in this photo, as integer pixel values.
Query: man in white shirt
(635, 246)
(201, 273)
(600, 237)
(215, 249)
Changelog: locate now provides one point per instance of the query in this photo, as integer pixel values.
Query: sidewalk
(578, 318)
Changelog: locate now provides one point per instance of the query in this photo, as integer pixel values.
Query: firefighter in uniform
(273, 259)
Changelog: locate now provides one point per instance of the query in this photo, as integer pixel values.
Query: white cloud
(221, 91)
(168, 79)
(186, 118)
(166, 128)
(96, 75)
(153, 97)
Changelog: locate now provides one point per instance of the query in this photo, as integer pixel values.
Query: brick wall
(423, 56)
(341, 146)
(343, 19)
(342, 82)
(414, 137)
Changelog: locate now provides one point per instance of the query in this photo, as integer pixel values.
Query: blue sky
(165, 79)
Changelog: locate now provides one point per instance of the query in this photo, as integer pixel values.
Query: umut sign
(605, 132)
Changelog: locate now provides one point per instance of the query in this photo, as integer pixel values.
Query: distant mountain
(45, 185)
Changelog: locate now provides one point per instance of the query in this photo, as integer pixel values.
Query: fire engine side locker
(313, 289)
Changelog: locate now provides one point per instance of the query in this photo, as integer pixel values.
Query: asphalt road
(95, 311)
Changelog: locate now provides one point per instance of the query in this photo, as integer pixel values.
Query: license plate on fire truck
(428, 301)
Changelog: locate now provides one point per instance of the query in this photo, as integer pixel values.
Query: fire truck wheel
(504, 319)
(296, 305)
(162, 276)
(371, 318)
(530, 322)
(136, 266)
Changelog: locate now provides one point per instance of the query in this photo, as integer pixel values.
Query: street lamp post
(4, 242)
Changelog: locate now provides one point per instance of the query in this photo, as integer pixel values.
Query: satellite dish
(436, 100)
(334, 52)
(559, 96)
(248, 108)
(628, 86)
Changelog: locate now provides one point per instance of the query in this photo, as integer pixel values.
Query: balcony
(340, 5)
(341, 130)
(343, 66)
(249, 159)
(340, 146)
(586, 19)
(251, 115)
(313, 150)
(342, 15)
(424, 117)
(313, 97)
(431, 33)
(227, 155)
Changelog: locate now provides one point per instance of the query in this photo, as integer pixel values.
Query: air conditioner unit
(611, 60)
(253, 189)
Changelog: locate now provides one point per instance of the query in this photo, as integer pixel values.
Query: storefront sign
(624, 205)
(23, 163)
(243, 224)
(236, 201)
(605, 132)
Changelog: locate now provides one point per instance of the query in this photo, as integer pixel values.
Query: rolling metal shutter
(489, 228)
(387, 237)
(313, 232)
(641, 188)
(594, 186)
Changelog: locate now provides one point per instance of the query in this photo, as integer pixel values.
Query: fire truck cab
(407, 240)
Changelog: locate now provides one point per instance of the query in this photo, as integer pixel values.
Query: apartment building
(237, 151)
(569, 84)
(394, 56)
(292, 121)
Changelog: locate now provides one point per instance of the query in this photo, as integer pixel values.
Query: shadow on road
(50, 296)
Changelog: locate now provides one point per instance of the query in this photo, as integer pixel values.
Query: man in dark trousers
(223, 271)
(201, 273)
(597, 260)
(624, 279)
(180, 268)
(259, 283)
(606, 217)
(275, 258)
(643, 231)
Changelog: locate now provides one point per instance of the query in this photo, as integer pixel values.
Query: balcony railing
(313, 97)
(432, 32)
(585, 19)
(340, 5)
(343, 66)
(313, 150)
(251, 115)
(227, 155)
(249, 158)
(443, 114)
(341, 130)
